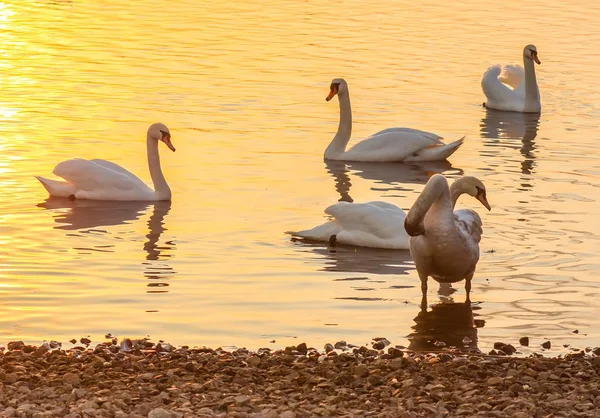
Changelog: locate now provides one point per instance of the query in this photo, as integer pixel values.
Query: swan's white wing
(116, 167)
(499, 94)
(96, 181)
(513, 75)
(469, 224)
(392, 145)
(381, 219)
(431, 135)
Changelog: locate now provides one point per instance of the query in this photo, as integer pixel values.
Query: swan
(513, 88)
(392, 144)
(104, 180)
(378, 224)
(444, 243)
(372, 224)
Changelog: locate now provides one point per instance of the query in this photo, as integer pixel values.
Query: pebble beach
(138, 378)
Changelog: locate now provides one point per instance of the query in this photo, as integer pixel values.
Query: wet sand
(140, 379)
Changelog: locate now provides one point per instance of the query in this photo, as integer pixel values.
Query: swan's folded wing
(381, 219)
(469, 224)
(431, 135)
(116, 167)
(513, 75)
(88, 175)
(494, 89)
(394, 144)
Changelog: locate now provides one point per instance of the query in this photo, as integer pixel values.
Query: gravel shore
(140, 379)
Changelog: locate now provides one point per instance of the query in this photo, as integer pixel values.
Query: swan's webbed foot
(332, 240)
(71, 197)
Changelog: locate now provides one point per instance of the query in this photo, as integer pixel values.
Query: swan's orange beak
(535, 57)
(332, 92)
(483, 199)
(167, 140)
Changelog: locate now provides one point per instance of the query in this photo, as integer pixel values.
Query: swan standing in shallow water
(381, 224)
(104, 180)
(393, 144)
(514, 88)
(445, 243)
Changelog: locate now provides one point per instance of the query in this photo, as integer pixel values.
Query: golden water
(242, 85)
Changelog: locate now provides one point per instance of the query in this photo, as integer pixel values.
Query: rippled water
(242, 87)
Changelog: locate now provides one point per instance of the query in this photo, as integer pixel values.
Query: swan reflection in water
(86, 216)
(449, 322)
(497, 126)
(387, 176)
(346, 259)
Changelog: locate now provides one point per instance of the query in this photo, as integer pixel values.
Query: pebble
(201, 382)
(547, 345)
(524, 341)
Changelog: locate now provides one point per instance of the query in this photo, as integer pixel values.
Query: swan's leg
(332, 240)
(423, 278)
(468, 286)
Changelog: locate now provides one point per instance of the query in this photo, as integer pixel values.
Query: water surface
(242, 88)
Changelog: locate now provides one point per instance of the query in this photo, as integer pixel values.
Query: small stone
(73, 341)
(494, 381)
(547, 345)
(302, 348)
(395, 352)
(71, 378)
(576, 331)
(439, 344)
(108, 336)
(524, 341)
(85, 341)
(466, 341)
(159, 413)
(361, 371)
(396, 364)
(340, 345)
(328, 348)
(16, 345)
(242, 400)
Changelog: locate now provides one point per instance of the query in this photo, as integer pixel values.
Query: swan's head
(530, 52)
(160, 132)
(474, 187)
(338, 86)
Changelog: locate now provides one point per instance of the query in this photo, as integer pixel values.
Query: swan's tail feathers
(438, 152)
(319, 233)
(57, 188)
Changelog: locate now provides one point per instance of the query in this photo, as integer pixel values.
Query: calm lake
(242, 87)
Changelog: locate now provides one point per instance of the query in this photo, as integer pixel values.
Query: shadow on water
(503, 128)
(347, 259)
(452, 323)
(388, 177)
(86, 216)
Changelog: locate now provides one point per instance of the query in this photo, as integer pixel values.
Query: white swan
(393, 144)
(104, 180)
(378, 224)
(513, 88)
(445, 243)
(371, 224)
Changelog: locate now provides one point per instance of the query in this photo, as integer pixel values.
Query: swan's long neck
(161, 188)
(455, 191)
(435, 192)
(532, 93)
(341, 138)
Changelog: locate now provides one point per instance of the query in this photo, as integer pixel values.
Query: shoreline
(138, 378)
